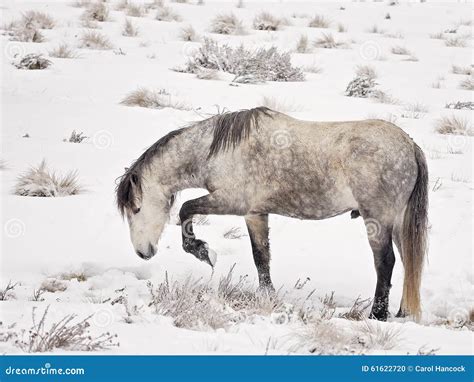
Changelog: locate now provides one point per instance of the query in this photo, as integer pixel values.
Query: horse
(258, 162)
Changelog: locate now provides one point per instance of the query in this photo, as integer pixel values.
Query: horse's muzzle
(147, 255)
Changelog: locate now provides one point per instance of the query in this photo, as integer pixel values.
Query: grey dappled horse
(258, 162)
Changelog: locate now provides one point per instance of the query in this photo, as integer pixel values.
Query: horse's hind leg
(257, 226)
(380, 239)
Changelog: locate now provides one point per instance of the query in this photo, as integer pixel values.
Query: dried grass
(41, 182)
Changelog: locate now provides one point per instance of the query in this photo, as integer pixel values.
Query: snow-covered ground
(58, 238)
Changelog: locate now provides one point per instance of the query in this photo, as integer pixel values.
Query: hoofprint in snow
(74, 255)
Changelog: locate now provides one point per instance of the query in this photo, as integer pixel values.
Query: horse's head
(146, 207)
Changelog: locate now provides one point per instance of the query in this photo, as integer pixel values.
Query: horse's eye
(136, 210)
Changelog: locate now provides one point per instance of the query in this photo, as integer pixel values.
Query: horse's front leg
(216, 203)
(257, 226)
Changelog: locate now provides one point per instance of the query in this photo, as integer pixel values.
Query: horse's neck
(181, 171)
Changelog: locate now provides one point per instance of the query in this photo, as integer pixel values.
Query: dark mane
(230, 128)
(131, 180)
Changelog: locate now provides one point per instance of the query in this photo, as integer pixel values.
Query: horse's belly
(313, 205)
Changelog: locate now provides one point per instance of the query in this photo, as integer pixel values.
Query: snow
(46, 237)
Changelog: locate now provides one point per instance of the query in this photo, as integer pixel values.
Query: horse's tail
(414, 238)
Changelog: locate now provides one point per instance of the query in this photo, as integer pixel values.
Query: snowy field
(74, 254)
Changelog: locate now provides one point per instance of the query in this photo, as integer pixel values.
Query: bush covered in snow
(265, 21)
(453, 125)
(129, 29)
(263, 64)
(319, 21)
(362, 87)
(167, 14)
(226, 24)
(95, 40)
(97, 11)
(32, 61)
(63, 51)
(39, 181)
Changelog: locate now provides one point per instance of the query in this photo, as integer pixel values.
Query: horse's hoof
(379, 316)
(204, 253)
(267, 290)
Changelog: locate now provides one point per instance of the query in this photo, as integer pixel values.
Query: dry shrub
(207, 74)
(453, 125)
(95, 40)
(414, 110)
(327, 41)
(63, 51)
(129, 29)
(53, 285)
(32, 61)
(97, 11)
(154, 99)
(383, 97)
(455, 42)
(265, 21)
(374, 335)
(6, 293)
(358, 310)
(319, 21)
(302, 46)
(39, 181)
(64, 334)
(167, 14)
(467, 84)
(134, 10)
(248, 66)
(464, 70)
(400, 50)
(37, 20)
(226, 24)
(76, 137)
(375, 29)
(188, 33)
(366, 71)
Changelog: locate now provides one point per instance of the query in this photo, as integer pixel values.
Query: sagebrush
(40, 181)
(262, 64)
